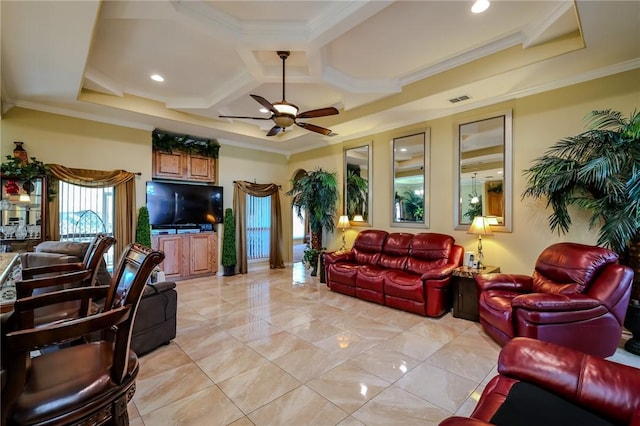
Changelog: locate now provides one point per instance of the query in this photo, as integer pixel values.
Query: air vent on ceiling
(459, 99)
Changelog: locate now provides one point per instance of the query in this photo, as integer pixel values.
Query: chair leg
(120, 413)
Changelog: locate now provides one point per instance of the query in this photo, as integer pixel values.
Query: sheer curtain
(124, 185)
(240, 191)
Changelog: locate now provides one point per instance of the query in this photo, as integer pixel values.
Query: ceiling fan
(285, 114)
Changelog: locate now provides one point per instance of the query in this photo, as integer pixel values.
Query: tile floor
(278, 348)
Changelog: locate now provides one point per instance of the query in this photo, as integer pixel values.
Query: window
(258, 227)
(84, 212)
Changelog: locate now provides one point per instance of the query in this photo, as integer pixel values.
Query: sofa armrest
(555, 302)
(156, 288)
(439, 273)
(510, 282)
(30, 260)
(338, 256)
(606, 387)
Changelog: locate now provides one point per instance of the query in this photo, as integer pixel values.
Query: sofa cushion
(568, 267)
(77, 250)
(395, 250)
(367, 247)
(70, 248)
(428, 251)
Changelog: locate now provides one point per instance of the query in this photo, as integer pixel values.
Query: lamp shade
(343, 222)
(480, 226)
(358, 218)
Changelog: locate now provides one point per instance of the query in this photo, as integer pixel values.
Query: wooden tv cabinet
(188, 255)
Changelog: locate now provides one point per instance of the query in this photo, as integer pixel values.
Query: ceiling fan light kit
(285, 114)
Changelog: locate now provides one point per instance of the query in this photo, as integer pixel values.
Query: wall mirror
(357, 185)
(484, 173)
(410, 161)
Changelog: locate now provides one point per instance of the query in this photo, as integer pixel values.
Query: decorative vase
(28, 187)
(632, 323)
(21, 153)
(21, 232)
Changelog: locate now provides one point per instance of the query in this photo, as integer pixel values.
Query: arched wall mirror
(410, 171)
(484, 173)
(357, 185)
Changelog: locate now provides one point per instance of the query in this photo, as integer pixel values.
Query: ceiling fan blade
(265, 103)
(320, 112)
(314, 128)
(274, 131)
(241, 116)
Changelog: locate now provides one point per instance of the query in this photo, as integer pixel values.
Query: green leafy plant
(169, 142)
(475, 209)
(14, 167)
(597, 171)
(229, 256)
(143, 228)
(316, 193)
(357, 193)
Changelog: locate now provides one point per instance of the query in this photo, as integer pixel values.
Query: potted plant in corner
(598, 171)
(316, 193)
(229, 256)
(143, 228)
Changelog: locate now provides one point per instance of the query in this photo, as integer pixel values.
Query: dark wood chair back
(93, 381)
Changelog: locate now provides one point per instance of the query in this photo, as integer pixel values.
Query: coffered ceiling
(382, 64)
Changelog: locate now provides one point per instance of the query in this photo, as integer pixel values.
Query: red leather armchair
(561, 386)
(577, 297)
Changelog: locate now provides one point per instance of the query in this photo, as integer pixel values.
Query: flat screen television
(180, 204)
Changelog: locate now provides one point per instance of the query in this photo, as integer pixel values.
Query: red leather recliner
(545, 384)
(342, 267)
(370, 278)
(577, 297)
(423, 286)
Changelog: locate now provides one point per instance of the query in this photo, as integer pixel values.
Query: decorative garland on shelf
(169, 142)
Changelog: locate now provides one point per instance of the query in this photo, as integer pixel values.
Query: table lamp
(358, 218)
(343, 223)
(480, 226)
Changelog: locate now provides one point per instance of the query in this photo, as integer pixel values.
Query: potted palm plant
(229, 256)
(316, 193)
(598, 171)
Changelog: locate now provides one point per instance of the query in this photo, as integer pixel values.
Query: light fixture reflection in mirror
(410, 163)
(484, 173)
(357, 185)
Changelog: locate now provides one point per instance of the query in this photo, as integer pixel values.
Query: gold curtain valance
(90, 178)
(258, 189)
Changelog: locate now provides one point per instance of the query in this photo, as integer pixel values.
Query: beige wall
(538, 122)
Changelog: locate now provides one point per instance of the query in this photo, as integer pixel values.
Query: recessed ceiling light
(263, 110)
(480, 6)
(403, 149)
(157, 77)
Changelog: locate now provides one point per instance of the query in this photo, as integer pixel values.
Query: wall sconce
(480, 226)
(343, 223)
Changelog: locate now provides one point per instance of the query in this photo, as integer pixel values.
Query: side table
(465, 291)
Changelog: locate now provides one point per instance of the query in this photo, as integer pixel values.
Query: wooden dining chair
(86, 383)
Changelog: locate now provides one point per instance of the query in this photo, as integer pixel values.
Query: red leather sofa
(406, 271)
(577, 296)
(541, 383)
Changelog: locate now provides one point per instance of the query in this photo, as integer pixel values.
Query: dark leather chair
(43, 279)
(541, 383)
(88, 383)
(155, 323)
(577, 297)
